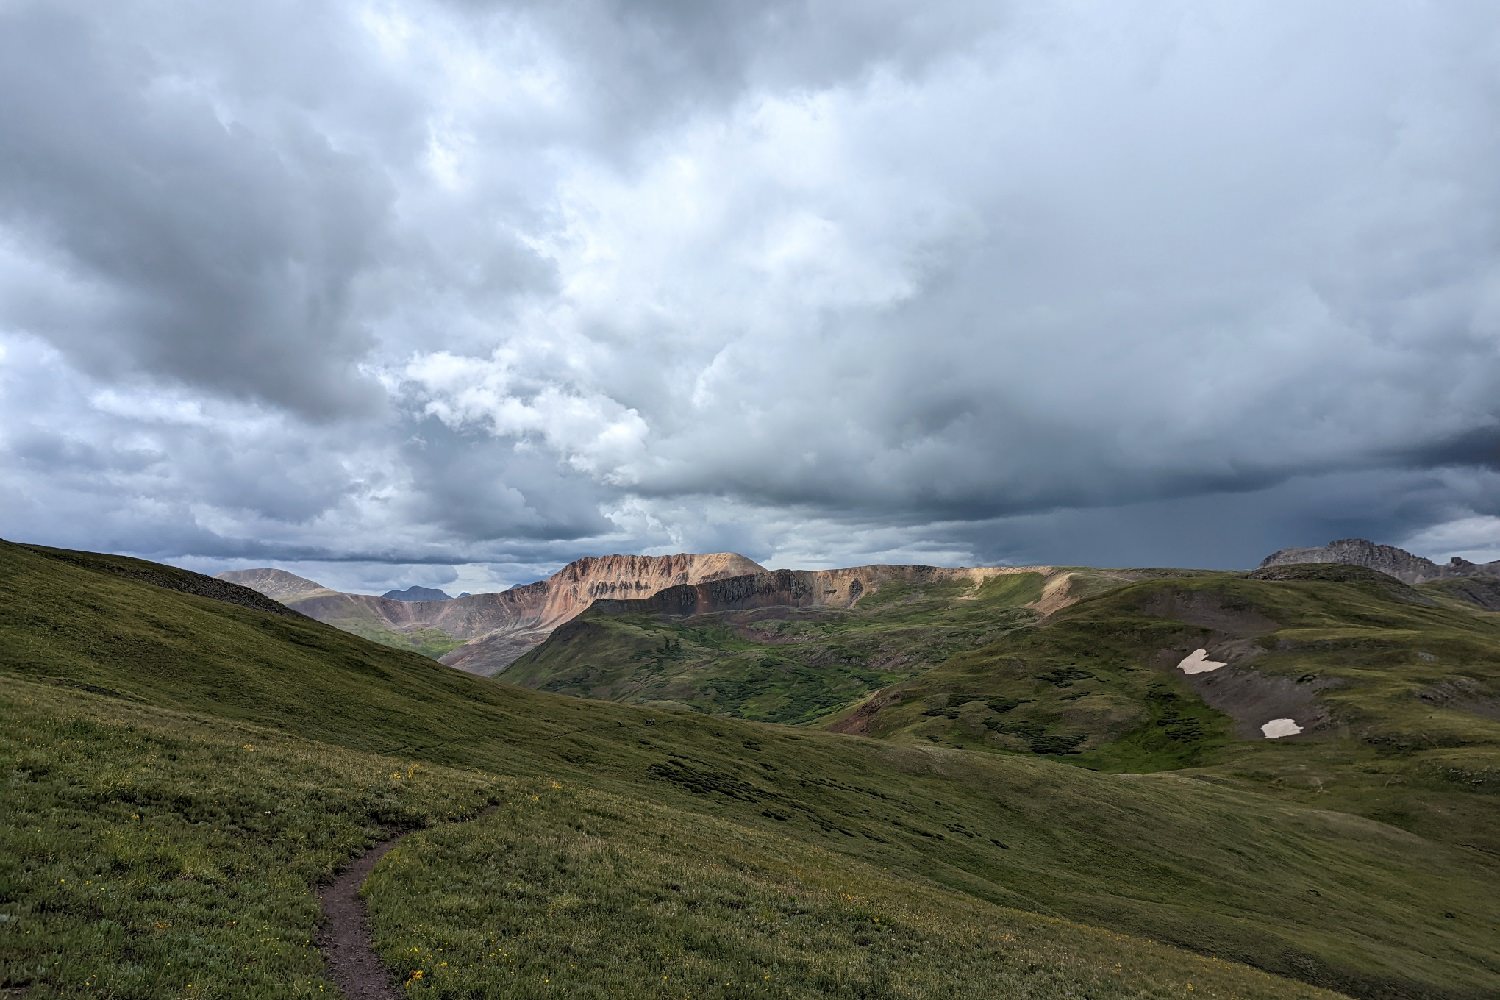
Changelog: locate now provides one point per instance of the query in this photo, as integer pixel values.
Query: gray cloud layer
(436, 292)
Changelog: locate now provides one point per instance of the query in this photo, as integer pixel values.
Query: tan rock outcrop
(816, 588)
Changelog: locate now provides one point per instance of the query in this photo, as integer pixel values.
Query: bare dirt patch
(858, 722)
(1252, 698)
(1057, 593)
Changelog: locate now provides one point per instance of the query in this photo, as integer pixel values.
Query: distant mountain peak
(1388, 559)
(277, 584)
(416, 593)
(491, 630)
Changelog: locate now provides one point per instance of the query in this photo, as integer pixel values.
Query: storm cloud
(450, 293)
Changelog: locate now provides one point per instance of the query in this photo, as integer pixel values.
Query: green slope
(1409, 686)
(1404, 682)
(777, 664)
(726, 848)
(430, 642)
(147, 853)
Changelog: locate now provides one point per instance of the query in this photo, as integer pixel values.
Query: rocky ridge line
(277, 584)
(417, 593)
(166, 577)
(499, 627)
(818, 588)
(1387, 559)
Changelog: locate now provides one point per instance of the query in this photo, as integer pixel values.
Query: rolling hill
(184, 769)
(782, 647)
(1393, 691)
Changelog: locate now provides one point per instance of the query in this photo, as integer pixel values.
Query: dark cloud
(1222, 530)
(430, 288)
(1476, 447)
(212, 252)
(634, 65)
(471, 489)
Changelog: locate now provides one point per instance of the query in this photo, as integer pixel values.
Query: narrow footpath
(345, 938)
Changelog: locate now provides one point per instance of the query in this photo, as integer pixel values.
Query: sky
(450, 293)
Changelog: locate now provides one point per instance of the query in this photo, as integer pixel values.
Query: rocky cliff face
(580, 584)
(822, 588)
(1387, 559)
(502, 626)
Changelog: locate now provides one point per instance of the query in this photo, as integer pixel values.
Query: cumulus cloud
(399, 289)
(589, 431)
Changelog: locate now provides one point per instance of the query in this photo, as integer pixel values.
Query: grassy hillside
(182, 867)
(707, 847)
(777, 664)
(1399, 687)
(1481, 592)
(147, 853)
(430, 642)
(1406, 691)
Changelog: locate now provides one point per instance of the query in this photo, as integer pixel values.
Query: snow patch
(1197, 662)
(1277, 728)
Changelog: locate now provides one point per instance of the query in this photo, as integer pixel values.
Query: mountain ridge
(418, 593)
(1403, 565)
(801, 588)
(484, 633)
(277, 584)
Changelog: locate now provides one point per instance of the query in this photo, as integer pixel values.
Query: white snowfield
(1197, 662)
(1277, 728)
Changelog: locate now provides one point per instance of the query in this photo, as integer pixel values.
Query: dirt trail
(345, 938)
